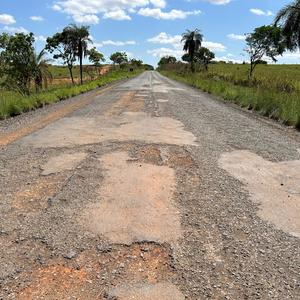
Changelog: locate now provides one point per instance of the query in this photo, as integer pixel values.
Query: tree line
(268, 41)
(20, 65)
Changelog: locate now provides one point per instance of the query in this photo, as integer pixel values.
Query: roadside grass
(271, 94)
(12, 103)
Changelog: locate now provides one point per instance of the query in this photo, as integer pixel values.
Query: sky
(146, 29)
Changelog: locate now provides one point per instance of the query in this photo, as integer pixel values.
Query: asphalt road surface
(148, 189)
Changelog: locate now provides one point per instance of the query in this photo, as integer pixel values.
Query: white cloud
(159, 3)
(86, 19)
(164, 38)
(13, 30)
(7, 19)
(118, 43)
(37, 18)
(237, 37)
(175, 41)
(161, 52)
(218, 2)
(260, 12)
(218, 47)
(118, 15)
(120, 9)
(174, 14)
(56, 7)
(40, 38)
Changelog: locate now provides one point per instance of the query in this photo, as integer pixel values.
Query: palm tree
(41, 74)
(192, 42)
(80, 36)
(289, 18)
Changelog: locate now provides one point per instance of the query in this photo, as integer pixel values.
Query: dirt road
(148, 190)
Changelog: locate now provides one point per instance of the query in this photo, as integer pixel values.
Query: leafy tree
(16, 60)
(62, 45)
(95, 57)
(41, 73)
(119, 58)
(167, 60)
(136, 62)
(80, 39)
(265, 41)
(192, 42)
(289, 18)
(205, 56)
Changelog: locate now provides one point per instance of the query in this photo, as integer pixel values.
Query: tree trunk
(71, 74)
(80, 63)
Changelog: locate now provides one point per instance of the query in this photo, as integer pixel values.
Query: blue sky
(146, 29)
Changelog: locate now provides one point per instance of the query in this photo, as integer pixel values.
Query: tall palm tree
(289, 18)
(192, 42)
(40, 66)
(80, 36)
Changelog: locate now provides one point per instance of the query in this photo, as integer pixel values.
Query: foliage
(95, 57)
(274, 92)
(265, 41)
(192, 42)
(136, 62)
(41, 73)
(16, 61)
(79, 37)
(289, 18)
(203, 56)
(167, 60)
(119, 58)
(62, 45)
(12, 104)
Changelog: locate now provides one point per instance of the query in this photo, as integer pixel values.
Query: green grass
(274, 92)
(12, 104)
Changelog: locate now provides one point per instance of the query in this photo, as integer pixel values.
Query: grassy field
(12, 103)
(274, 91)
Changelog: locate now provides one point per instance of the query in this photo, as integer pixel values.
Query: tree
(95, 57)
(41, 73)
(165, 60)
(204, 56)
(62, 45)
(119, 58)
(80, 39)
(136, 62)
(289, 18)
(265, 41)
(16, 60)
(192, 42)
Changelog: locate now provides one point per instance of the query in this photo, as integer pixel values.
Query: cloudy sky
(146, 29)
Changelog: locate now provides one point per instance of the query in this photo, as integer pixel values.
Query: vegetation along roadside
(272, 90)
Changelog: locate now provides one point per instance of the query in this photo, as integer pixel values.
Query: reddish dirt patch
(127, 103)
(179, 158)
(149, 154)
(92, 273)
(59, 282)
(33, 197)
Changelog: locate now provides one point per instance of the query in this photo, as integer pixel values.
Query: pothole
(61, 163)
(275, 186)
(34, 196)
(145, 267)
(141, 208)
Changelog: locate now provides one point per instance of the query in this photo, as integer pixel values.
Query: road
(148, 189)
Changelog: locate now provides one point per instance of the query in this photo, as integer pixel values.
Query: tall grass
(274, 92)
(12, 104)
